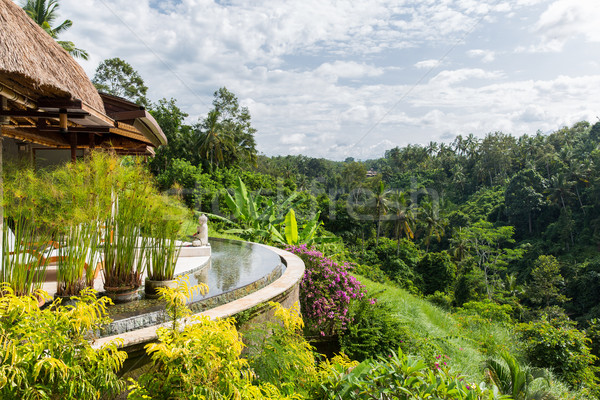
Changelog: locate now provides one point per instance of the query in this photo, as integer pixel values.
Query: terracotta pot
(122, 294)
(151, 287)
(41, 300)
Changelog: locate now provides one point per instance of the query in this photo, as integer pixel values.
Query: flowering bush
(326, 291)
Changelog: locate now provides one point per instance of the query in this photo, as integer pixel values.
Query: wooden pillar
(73, 141)
(3, 121)
(64, 128)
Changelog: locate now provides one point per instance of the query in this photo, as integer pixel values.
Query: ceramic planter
(122, 294)
(151, 287)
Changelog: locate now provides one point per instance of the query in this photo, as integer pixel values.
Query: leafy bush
(441, 299)
(484, 320)
(326, 291)
(488, 310)
(437, 272)
(374, 331)
(46, 354)
(202, 361)
(399, 376)
(279, 354)
(560, 347)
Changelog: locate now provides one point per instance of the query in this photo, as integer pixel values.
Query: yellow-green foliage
(45, 353)
(202, 361)
(176, 299)
(280, 355)
(84, 191)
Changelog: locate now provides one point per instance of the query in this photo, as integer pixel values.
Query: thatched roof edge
(33, 64)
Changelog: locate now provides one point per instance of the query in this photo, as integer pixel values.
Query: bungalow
(50, 111)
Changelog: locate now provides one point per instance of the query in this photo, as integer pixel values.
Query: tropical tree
(44, 13)
(379, 205)
(434, 223)
(403, 219)
(485, 244)
(546, 282)
(214, 141)
(117, 77)
(523, 196)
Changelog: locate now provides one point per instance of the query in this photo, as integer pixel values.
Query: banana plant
(254, 215)
(290, 234)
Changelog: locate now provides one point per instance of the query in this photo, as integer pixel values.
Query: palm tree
(514, 380)
(434, 223)
(214, 141)
(44, 14)
(403, 219)
(380, 205)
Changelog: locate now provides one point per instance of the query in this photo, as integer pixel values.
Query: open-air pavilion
(50, 110)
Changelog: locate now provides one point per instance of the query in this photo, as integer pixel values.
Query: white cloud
(334, 78)
(566, 20)
(427, 64)
(347, 69)
(451, 77)
(486, 56)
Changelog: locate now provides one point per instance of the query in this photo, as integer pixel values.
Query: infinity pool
(234, 270)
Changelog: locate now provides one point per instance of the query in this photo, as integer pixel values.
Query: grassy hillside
(467, 342)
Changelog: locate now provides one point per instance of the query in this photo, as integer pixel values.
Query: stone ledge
(278, 290)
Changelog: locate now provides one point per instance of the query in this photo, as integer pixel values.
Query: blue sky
(341, 79)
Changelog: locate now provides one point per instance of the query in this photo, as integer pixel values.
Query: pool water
(234, 269)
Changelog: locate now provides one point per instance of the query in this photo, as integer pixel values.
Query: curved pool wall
(234, 270)
(284, 289)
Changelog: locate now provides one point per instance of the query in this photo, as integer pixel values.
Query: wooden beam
(128, 115)
(97, 130)
(47, 102)
(32, 135)
(42, 114)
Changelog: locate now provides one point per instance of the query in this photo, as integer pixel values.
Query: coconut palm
(380, 204)
(44, 13)
(214, 140)
(514, 380)
(435, 224)
(403, 219)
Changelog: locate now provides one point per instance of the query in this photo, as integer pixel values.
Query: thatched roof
(34, 65)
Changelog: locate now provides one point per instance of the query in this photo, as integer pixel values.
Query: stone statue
(201, 235)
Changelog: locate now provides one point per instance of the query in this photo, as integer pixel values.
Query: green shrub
(470, 285)
(201, 361)
(559, 346)
(401, 377)
(371, 272)
(279, 354)
(441, 299)
(436, 272)
(488, 310)
(46, 354)
(374, 331)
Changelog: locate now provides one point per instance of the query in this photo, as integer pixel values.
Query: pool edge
(284, 290)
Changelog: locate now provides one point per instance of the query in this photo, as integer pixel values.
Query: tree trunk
(579, 198)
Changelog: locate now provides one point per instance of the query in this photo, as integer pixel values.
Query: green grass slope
(466, 343)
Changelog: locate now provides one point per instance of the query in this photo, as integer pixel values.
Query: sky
(338, 79)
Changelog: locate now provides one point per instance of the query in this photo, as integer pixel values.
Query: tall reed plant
(78, 259)
(163, 252)
(24, 261)
(124, 245)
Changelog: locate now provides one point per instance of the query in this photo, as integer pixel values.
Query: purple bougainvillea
(326, 291)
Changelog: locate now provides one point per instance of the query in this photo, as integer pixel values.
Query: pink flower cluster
(326, 291)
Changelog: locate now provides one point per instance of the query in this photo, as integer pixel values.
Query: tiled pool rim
(284, 290)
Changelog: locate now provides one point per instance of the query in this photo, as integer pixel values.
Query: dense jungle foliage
(512, 222)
